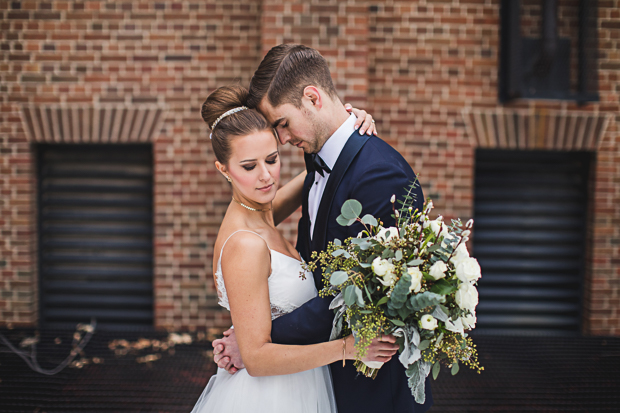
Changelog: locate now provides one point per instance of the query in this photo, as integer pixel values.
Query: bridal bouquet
(415, 280)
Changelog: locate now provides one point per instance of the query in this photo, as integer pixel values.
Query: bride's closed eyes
(271, 160)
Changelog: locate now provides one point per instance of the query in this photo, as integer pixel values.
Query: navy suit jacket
(371, 171)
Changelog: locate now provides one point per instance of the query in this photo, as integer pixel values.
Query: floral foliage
(415, 280)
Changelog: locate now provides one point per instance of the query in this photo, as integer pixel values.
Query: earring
(228, 179)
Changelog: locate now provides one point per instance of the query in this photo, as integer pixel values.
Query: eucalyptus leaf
(455, 368)
(400, 292)
(359, 296)
(424, 344)
(345, 222)
(337, 242)
(338, 277)
(443, 287)
(383, 300)
(338, 252)
(404, 312)
(439, 314)
(398, 255)
(350, 297)
(351, 209)
(387, 253)
(445, 310)
(433, 248)
(436, 368)
(369, 220)
(415, 262)
(365, 265)
(397, 322)
(425, 299)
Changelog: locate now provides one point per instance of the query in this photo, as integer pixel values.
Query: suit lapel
(303, 237)
(350, 150)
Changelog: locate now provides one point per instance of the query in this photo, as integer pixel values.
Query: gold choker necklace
(250, 208)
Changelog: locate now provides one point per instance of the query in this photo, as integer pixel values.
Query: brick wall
(126, 53)
(429, 60)
(416, 65)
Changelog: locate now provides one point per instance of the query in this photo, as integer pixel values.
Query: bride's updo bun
(241, 123)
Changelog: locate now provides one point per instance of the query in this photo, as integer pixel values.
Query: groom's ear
(313, 96)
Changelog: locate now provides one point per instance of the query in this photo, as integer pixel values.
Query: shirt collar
(333, 146)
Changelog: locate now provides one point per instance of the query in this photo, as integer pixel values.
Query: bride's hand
(226, 352)
(364, 121)
(381, 349)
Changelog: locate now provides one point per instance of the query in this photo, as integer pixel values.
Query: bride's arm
(288, 198)
(246, 267)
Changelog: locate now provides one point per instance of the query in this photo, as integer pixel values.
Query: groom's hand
(381, 349)
(226, 352)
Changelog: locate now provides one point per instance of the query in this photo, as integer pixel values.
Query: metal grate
(95, 226)
(521, 374)
(530, 214)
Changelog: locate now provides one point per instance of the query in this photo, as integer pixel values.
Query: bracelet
(344, 351)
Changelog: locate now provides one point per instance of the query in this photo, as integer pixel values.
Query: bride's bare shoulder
(240, 247)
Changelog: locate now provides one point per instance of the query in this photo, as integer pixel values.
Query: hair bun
(239, 122)
(221, 101)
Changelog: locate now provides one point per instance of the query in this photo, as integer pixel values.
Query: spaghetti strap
(219, 262)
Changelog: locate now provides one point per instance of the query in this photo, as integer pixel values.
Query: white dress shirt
(329, 153)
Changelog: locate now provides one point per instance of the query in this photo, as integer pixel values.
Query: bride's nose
(264, 173)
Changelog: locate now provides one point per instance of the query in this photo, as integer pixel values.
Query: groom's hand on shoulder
(226, 352)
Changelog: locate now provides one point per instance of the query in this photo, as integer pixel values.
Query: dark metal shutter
(95, 226)
(529, 237)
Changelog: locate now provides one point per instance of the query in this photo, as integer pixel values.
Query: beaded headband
(230, 112)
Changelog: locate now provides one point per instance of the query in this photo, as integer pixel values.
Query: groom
(293, 88)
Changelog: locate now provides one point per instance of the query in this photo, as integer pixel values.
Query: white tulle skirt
(306, 392)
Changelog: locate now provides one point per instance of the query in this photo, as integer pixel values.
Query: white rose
(385, 235)
(380, 266)
(466, 296)
(384, 268)
(438, 270)
(468, 270)
(444, 232)
(389, 279)
(435, 225)
(428, 322)
(455, 326)
(469, 321)
(416, 279)
(459, 254)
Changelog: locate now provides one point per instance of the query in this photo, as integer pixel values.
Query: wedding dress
(304, 392)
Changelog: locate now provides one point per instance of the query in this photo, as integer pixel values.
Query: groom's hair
(285, 72)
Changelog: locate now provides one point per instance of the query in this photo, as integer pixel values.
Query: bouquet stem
(365, 370)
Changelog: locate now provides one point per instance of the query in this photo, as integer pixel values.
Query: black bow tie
(315, 163)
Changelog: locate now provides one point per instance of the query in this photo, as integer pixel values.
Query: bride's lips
(266, 188)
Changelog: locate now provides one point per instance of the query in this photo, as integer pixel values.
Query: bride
(258, 274)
